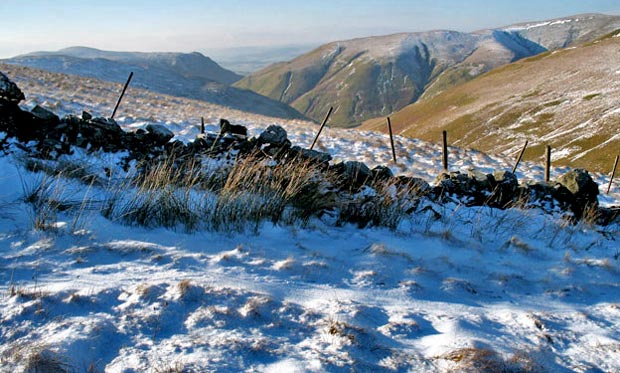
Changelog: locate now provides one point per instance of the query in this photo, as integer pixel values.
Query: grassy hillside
(568, 99)
(361, 78)
(375, 76)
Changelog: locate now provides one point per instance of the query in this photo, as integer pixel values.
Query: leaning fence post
(514, 168)
(202, 125)
(122, 94)
(548, 164)
(445, 150)
(321, 129)
(389, 123)
(613, 173)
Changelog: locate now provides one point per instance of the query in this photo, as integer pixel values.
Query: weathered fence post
(445, 150)
(321, 129)
(548, 164)
(202, 125)
(122, 94)
(514, 168)
(613, 173)
(389, 123)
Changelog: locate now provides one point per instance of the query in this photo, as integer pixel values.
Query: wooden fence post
(321, 129)
(391, 139)
(613, 173)
(548, 164)
(445, 150)
(514, 168)
(202, 125)
(122, 94)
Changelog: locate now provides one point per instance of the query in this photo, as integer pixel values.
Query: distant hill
(189, 65)
(568, 98)
(179, 74)
(371, 77)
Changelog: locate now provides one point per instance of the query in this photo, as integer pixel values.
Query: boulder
(44, 114)
(101, 133)
(274, 135)
(159, 134)
(506, 189)
(548, 197)
(609, 215)
(355, 169)
(506, 178)
(233, 129)
(106, 124)
(353, 174)
(580, 184)
(381, 173)
(473, 189)
(10, 118)
(313, 155)
(413, 184)
(9, 91)
(583, 189)
(453, 183)
(481, 181)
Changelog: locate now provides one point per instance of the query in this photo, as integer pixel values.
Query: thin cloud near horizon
(195, 26)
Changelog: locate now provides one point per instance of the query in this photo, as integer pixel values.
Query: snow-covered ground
(452, 288)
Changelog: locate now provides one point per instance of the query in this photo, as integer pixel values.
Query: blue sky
(164, 25)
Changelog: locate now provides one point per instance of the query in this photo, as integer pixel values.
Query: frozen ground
(451, 289)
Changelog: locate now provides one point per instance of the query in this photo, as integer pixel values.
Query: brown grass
(36, 358)
(551, 91)
(184, 286)
(475, 360)
(478, 360)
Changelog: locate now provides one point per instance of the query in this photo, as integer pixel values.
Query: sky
(193, 25)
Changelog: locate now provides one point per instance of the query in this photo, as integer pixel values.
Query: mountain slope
(361, 77)
(568, 99)
(370, 77)
(183, 75)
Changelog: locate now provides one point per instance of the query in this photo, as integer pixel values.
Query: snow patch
(540, 24)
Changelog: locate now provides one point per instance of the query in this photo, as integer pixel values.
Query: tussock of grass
(50, 193)
(471, 359)
(261, 189)
(161, 196)
(46, 361)
(252, 190)
(35, 358)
